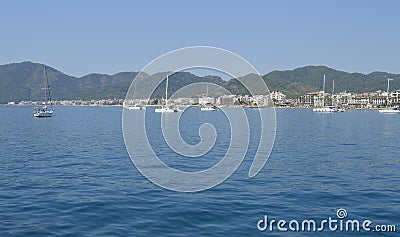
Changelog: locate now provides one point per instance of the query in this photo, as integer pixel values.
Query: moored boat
(388, 109)
(165, 108)
(45, 110)
(394, 110)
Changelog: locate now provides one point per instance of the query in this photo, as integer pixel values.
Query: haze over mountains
(23, 81)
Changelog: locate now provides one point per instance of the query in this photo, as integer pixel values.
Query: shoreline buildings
(276, 98)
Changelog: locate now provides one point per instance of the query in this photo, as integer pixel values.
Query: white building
(277, 96)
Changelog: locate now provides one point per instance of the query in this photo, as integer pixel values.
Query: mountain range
(23, 81)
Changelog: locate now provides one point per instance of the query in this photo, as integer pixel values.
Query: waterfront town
(346, 100)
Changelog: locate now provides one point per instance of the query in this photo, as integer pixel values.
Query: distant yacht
(389, 110)
(165, 108)
(44, 111)
(327, 109)
(394, 110)
(136, 107)
(208, 107)
(335, 105)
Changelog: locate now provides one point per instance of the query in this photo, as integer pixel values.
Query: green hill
(301, 80)
(22, 81)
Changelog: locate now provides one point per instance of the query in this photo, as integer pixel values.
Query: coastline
(225, 106)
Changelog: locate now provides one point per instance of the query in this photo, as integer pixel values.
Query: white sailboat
(335, 104)
(134, 106)
(393, 110)
(208, 107)
(44, 111)
(324, 109)
(165, 108)
(389, 110)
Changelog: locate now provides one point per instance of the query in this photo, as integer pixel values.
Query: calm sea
(71, 175)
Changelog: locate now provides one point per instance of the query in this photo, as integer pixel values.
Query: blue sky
(81, 37)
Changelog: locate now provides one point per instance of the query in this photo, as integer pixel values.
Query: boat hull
(208, 109)
(165, 110)
(324, 110)
(136, 108)
(389, 111)
(329, 110)
(43, 114)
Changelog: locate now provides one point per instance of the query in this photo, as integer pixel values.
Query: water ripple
(71, 175)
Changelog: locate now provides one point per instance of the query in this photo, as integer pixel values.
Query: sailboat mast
(166, 93)
(323, 93)
(333, 89)
(387, 92)
(45, 85)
